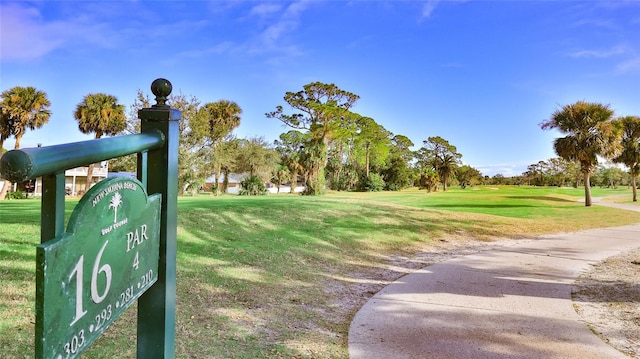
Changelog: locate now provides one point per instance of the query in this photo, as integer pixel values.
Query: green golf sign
(120, 243)
(107, 259)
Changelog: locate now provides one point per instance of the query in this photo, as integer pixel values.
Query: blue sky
(481, 74)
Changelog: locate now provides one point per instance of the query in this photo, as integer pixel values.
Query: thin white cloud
(273, 26)
(606, 53)
(24, 33)
(599, 23)
(277, 35)
(265, 9)
(628, 61)
(632, 65)
(428, 8)
(286, 23)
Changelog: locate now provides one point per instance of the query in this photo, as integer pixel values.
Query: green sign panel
(106, 259)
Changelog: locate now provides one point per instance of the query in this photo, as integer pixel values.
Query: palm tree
(630, 155)
(429, 179)
(100, 114)
(255, 156)
(279, 175)
(222, 117)
(21, 108)
(290, 149)
(446, 167)
(442, 156)
(230, 148)
(589, 133)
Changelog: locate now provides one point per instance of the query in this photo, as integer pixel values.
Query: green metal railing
(25, 164)
(157, 149)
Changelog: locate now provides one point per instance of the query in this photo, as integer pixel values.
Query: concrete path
(513, 301)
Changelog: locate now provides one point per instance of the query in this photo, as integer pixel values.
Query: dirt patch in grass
(607, 298)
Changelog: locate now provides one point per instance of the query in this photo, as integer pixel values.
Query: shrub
(16, 195)
(371, 183)
(252, 186)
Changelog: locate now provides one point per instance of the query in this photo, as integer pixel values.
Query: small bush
(252, 186)
(16, 195)
(371, 183)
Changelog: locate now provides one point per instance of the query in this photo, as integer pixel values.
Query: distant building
(233, 186)
(76, 178)
(75, 182)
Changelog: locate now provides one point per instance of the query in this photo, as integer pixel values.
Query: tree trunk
(217, 175)
(635, 189)
(294, 181)
(17, 144)
(315, 181)
(90, 169)
(7, 184)
(587, 189)
(367, 159)
(225, 182)
(5, 189)
(89, 178)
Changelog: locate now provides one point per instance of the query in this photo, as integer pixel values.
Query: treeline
(328, 146)
(558, 172)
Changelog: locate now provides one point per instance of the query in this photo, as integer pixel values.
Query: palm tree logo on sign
(116, 201)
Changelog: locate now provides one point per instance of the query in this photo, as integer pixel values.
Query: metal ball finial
(162, 89)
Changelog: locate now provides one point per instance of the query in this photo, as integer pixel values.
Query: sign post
(156, 308)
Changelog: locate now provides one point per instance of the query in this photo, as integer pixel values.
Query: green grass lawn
(266, 277)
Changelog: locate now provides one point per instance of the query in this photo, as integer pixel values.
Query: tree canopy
(320, 106)
(219, 119)
(442, 156)
(21, 108)
(321, 109)
(101, 114)
(630, 154)
(290, 146)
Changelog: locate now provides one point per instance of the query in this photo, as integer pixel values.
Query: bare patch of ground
(607, 298)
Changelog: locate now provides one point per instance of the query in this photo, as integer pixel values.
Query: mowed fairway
(282, 276)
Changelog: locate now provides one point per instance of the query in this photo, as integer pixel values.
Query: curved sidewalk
(513, 301)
